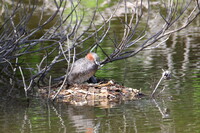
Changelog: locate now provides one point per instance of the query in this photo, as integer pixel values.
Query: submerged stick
(165, 75)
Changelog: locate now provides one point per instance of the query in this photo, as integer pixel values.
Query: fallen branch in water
(165, 75)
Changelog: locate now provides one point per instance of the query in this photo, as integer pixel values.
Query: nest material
(103, 94)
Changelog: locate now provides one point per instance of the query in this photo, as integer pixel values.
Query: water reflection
(132, 116)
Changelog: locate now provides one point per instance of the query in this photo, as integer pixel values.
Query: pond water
(175, 110)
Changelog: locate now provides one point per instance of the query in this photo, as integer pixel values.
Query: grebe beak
(97, 63)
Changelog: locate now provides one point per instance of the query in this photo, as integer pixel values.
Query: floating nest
(105, 94)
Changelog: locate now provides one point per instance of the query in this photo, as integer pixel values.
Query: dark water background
(175, 110)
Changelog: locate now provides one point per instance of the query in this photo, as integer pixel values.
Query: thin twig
(23, 79)
(165, 75)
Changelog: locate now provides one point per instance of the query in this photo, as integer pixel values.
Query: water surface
(174, 110)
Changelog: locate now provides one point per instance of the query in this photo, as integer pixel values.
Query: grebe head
(93, 57)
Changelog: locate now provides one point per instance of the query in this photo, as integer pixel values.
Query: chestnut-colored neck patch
(89, 56)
